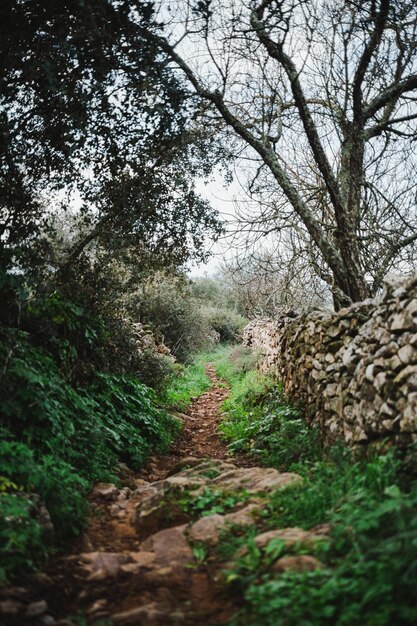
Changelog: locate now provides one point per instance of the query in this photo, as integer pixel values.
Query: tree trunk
(348, 218)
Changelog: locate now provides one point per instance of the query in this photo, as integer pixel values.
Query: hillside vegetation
(76, 402)
(364, 501)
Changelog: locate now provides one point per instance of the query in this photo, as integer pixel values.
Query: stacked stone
(355, 370)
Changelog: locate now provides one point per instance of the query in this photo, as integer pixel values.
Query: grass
(368, 499)
(190, 381)
(369, 567)
(258, 418)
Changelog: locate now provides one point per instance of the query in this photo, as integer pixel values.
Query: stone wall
(355, 370)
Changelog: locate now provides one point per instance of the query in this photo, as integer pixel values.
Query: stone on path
(255, 479)
(298, 563)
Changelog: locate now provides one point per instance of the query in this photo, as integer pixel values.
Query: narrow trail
(146, 557)
(199, 436)
(105, 576)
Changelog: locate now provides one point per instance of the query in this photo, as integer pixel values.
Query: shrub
(227, 323)
(165, 304)
(369, 573)
(58, 439)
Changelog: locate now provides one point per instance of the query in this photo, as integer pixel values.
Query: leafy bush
(21, 536)
(189, 381)
(369, 573)
(165, 304)
(58, 439)
(226, 322)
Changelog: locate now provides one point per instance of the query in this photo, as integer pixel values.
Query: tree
(89, 107)
(321, 97)
(263, 283)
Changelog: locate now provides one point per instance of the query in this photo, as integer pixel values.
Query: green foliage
(233, 362)
(59, 66)
(165, 304)
(273, 430)
(369, 573)
(226, 322)
(369, 503)
(189, 381)
(211, 500)
(21, 536)
(258, 418)
(58, 438)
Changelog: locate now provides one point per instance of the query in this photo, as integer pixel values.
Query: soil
(69, 593)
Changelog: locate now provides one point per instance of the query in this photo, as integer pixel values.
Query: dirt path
(199, 436)
(105, 576)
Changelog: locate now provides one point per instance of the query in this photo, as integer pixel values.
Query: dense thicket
(99, 153)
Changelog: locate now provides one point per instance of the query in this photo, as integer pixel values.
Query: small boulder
(290, 537)
(207, 529)
(102, 565)
(10, 607)
(157, 512)
(299, 563)
(146, 614)
(105, 491)
(254, 479)
(35, 609)
(170, 548)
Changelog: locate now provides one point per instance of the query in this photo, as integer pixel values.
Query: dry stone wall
(355, 370)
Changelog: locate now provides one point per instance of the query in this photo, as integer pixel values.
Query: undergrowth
(57, 439)
(188, 382)
(211, 500)
(365, 500)
(259, 420)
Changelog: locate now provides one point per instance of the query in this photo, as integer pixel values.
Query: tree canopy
(89, 106)
(320, 97)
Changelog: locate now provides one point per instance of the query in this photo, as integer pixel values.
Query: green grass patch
(369, 500)
(369, 572)
(258, 418)
(188, 382)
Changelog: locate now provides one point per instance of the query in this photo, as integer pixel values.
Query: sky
(221, 198)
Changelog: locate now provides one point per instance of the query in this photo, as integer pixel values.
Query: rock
(141, 562)
(158, 511)
(299, 563)
(407, 354)
(102, 565)
(124, 494)
(207, 529)
(19, 593)
(181, 482)
(48, 620)
(256, 479)
(207, 469)
(99, 606)
(290, 537)
(403, 321)
(105, 491)
(35, 609)
(11, 607)
(186, 463)
(364, 350)
(114, 510)
(244, 516)
(170, 548)
(146, 614)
